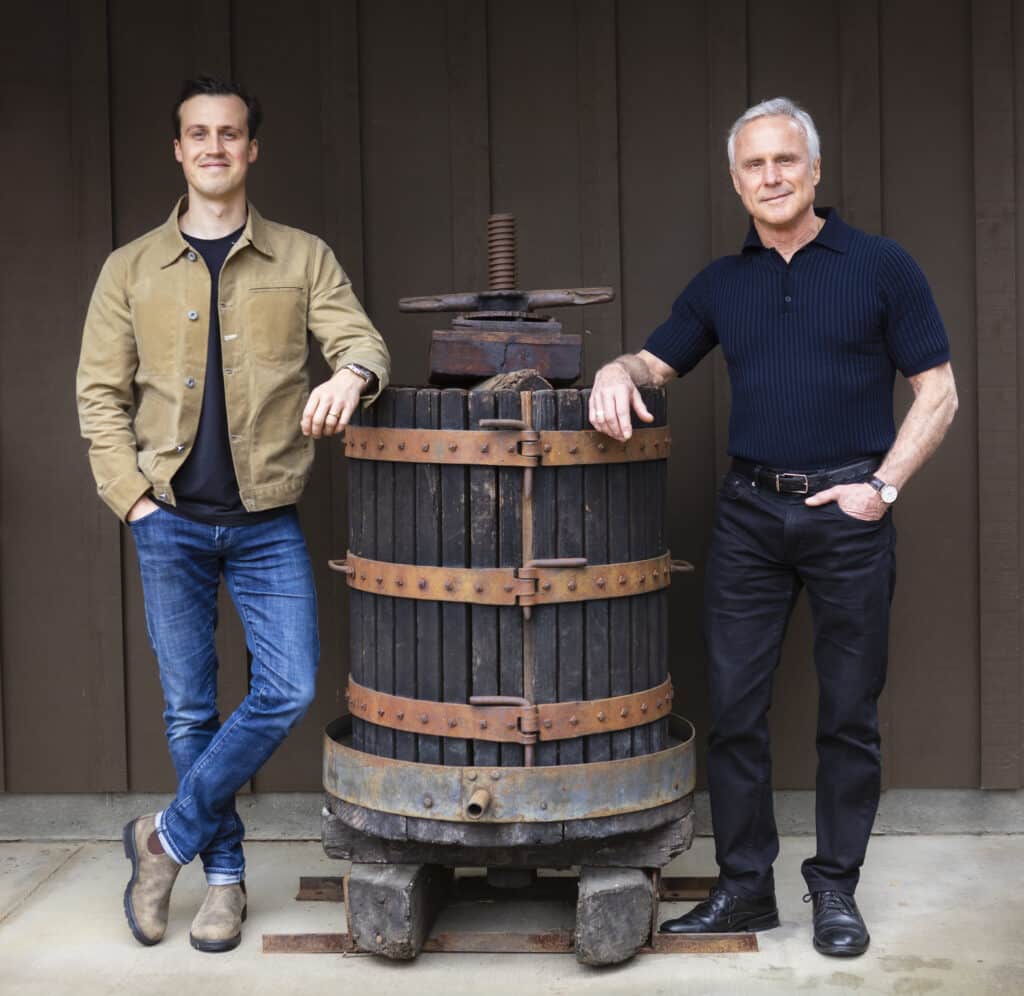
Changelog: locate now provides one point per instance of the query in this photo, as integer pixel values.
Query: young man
(814, 319)
(194, 395)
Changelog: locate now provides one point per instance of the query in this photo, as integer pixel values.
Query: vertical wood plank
(598, 122)
(510, 554)
(596, 676)
(657, 621)
(428, 553)
(370, 488)
(639, 646)
(405, 553)
(454, 553)
(569, 543)
(998, 392)
(619, 613)
(357, 600)
(469, 140)
(384, 501)
(545, 539)
(483, 552)
(728, 97)
(1018, 47)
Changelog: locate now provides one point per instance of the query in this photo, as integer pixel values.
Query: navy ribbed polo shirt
(812, 346)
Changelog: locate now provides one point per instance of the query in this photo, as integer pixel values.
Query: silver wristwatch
(360, 371)
(887, 492)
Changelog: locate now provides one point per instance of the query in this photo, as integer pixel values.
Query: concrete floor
(946, 914)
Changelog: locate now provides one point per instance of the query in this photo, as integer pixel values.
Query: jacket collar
(835, 233)
(172, 243)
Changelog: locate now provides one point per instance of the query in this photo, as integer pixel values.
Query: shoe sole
(766, 921)
(840, 952)
(216, 947)
(128, 838)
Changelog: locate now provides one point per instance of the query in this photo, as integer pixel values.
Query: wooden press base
(391, 910)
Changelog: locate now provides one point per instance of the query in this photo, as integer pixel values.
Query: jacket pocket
(275, 319)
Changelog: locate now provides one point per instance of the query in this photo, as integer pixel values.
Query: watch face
(888, 493)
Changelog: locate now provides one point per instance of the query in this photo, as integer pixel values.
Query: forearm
(644, 369)
(924, 426)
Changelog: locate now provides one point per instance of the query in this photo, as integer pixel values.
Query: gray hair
(777, 106)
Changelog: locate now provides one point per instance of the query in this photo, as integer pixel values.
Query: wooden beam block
(613, 914)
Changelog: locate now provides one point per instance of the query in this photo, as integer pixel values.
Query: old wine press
(509, 695)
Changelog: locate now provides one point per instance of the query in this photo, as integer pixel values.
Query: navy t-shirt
(205, 486)
(812, 346)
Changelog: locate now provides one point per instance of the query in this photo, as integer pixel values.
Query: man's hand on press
(859, 501)
(613, 398)
(331, 405)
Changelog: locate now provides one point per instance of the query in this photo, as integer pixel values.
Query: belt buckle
(779, 478)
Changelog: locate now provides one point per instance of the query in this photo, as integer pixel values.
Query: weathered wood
(619, 614)
(391, 908)
(428, 551)
(382, 506)
(405, 552)
(657, 619)
(649, 849)
(570, 515)
(613, 914)
(510, 554)
(516, 380)
(367, 648)
(545, 538)
(639, 540)
(463, 357)
(357, 600)
(483, 552)
(454, 553)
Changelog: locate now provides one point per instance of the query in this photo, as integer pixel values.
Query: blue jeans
(268, 574)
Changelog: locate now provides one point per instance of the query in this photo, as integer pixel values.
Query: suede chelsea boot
(147, 897)
(218, 924)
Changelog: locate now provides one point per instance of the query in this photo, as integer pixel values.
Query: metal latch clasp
(528, 720)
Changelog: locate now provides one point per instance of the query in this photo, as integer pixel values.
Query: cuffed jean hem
(165, 840)
(224, 878)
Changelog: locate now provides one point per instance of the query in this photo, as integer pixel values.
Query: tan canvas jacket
(143, 361)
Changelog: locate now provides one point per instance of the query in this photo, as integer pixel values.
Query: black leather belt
(789, 482)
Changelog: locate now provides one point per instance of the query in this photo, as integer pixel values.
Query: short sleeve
(688, 334)
(914, 333)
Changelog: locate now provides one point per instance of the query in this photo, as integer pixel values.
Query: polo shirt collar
(834, 234)
(172, 243)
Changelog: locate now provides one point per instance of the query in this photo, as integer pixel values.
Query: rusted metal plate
(512, 794)
(507, 723)
(701, 944)
(320, 889)
(506, 447)
(307, 944)
(466, 355)
(537, 583)
(475, 300)
(677, 889)
(503, 942)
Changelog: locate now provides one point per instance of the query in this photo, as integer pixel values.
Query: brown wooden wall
(392, 129)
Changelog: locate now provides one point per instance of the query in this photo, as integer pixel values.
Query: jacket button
(180, 447)
(190, 382)
(229, 371)
(190, 256)
(193, 315)
(162, 496)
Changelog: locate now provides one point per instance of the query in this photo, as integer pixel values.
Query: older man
(814, 318)
(193, 392)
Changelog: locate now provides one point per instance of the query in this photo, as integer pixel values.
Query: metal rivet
(512, 448)
(362, 707)
(449, 586)
(600, 717)
(479, 589)
(643, 707)
(362, 577)
(380, 710)
(643, 578)
(543, 805)
(509, 587)
(547, 447)
(495, 775)
(601, 447)
(424, 718)
(600, 582)
(656, 575)
(547, 724)
(511, 726)
(643, 447)
(380, 444)
(572, 585)
(471, 776)
(401, 446)
(453, 447)
(483, 726)
(380, 580)
(486, 448)
(427, 801)
(623, 712)
(425, 447)
(399, 715)
(362, 445)
(546, 586)
(453, 723)
(658, 704)
(574, 450)
(400, 582)
(422, 584)
(622, 579)
(573, 721)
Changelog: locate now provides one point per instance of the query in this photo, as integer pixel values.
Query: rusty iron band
(507, 794)
(507, 723)
(538, 583)
(504, 447)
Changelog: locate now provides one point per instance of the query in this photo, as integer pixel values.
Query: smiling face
(773, 173)
(214, 148)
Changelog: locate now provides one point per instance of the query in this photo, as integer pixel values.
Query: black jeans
(765, 548)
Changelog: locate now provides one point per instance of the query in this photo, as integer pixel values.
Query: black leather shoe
(839, 928)
(724, 913)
